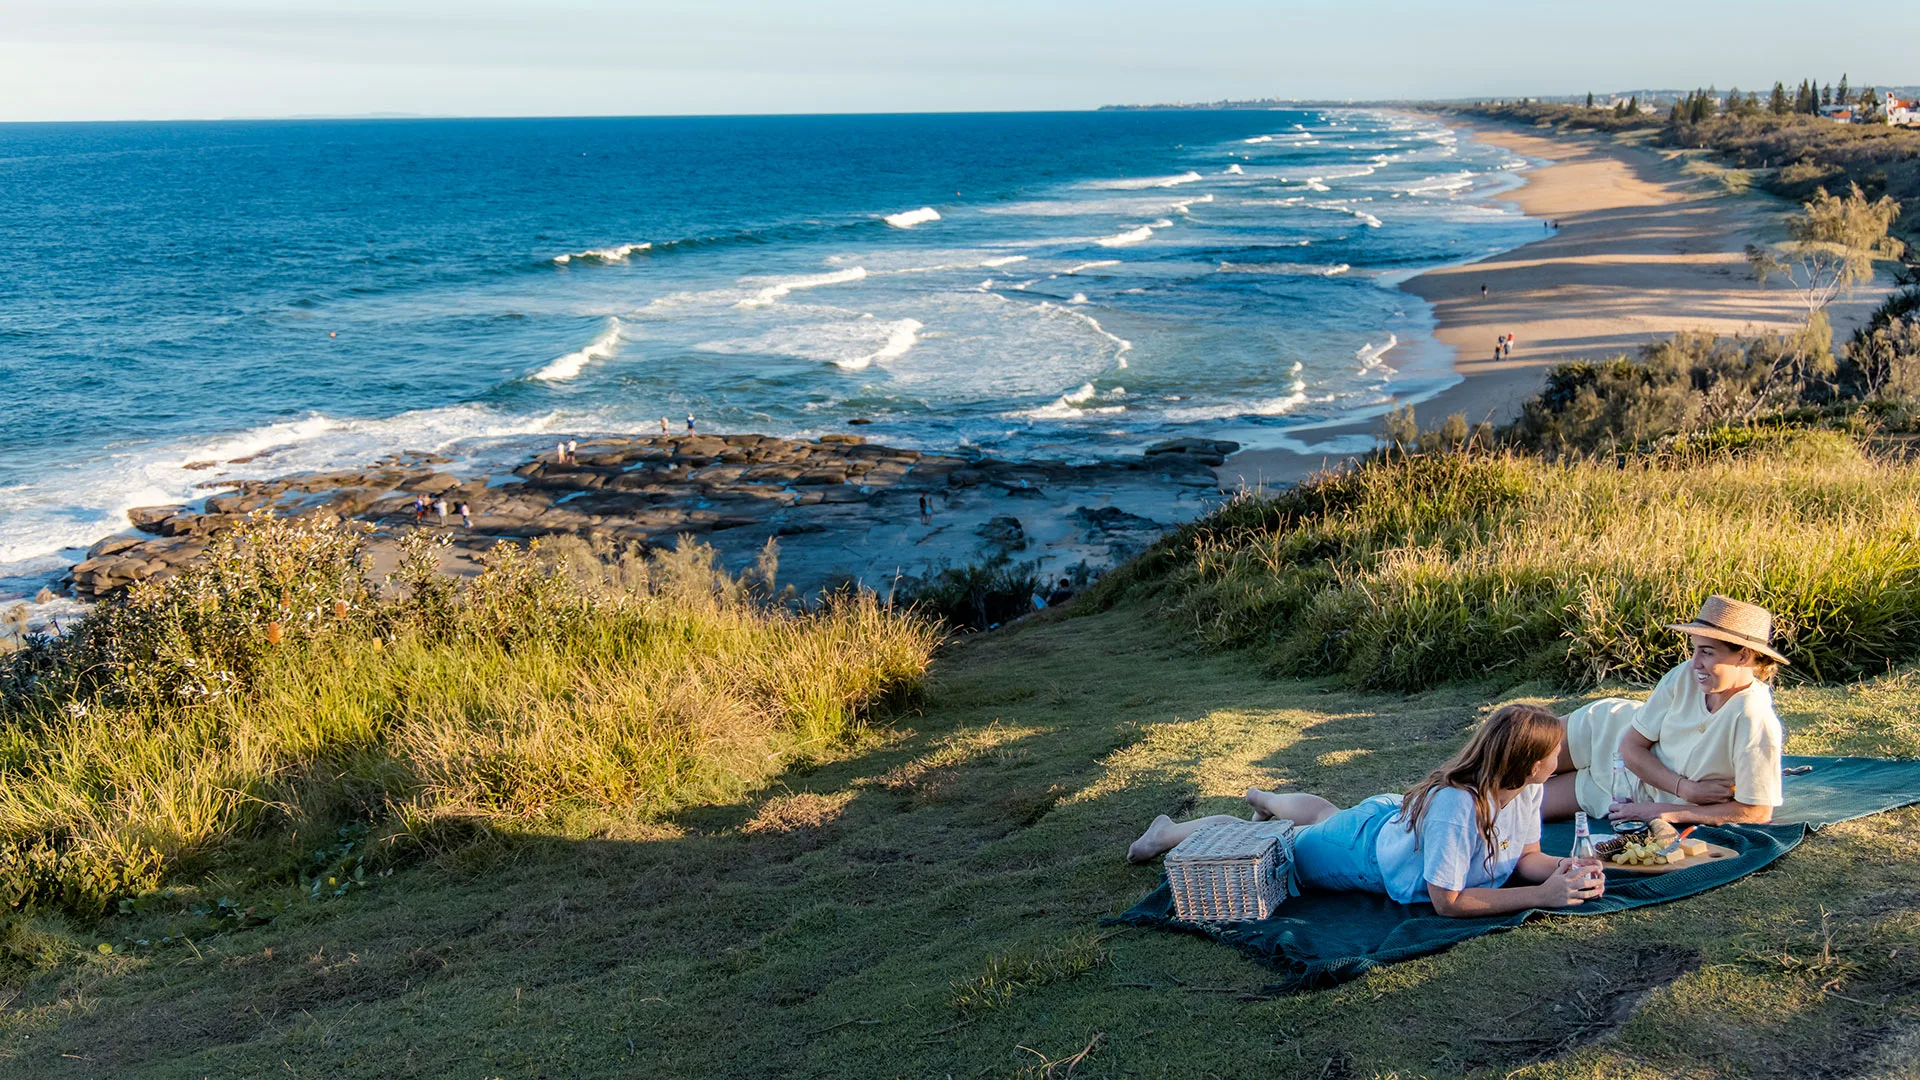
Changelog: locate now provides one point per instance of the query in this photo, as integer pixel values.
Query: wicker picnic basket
(1231, 872)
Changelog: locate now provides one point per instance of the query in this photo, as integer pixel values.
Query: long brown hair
(1501, 754)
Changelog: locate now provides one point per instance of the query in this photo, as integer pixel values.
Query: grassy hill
(928, 903)
(917, 888)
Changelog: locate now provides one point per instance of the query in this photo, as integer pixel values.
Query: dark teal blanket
(1322, 938)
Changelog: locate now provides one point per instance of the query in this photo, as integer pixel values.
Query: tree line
(1808, 99)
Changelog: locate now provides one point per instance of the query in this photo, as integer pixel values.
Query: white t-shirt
(1451, 852)
(1742, 739)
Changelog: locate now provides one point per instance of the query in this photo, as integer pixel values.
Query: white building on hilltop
(1899, 112)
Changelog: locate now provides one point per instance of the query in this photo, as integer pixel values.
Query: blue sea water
(312, 294)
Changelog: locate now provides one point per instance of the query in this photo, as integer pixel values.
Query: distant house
(1840, 114)
(1901, 113)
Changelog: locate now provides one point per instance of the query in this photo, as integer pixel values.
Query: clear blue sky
(149, 59)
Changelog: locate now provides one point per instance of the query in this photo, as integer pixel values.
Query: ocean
(187, 302)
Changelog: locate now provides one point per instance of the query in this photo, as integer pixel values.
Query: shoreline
(838, 508)
(1645, 249)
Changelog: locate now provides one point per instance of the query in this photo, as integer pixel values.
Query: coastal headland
(840, 509)
(1649, 243)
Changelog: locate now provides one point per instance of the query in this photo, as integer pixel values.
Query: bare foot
(1152, 843)
(1259, 801)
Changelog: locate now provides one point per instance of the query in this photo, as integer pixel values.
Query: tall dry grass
(1412, 570)
(270, 697)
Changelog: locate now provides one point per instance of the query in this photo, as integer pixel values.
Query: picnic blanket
(1322, 938)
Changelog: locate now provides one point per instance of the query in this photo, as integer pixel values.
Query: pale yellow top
(1741, 740)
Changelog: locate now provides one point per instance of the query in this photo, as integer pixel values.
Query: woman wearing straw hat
(1705, 746)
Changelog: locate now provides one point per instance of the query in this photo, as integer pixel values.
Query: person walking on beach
(1483, 290)
(466, 515)
(1510, 344)
(440, 508)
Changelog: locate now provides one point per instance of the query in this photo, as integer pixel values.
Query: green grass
(928, 904)
(230, 721)
(1411, 571)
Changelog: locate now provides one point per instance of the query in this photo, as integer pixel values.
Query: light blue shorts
(1343, 852)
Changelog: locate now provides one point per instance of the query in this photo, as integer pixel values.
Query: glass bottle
(1583, 852)
(1624, 789)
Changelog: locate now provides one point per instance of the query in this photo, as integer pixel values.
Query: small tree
(1840, 92)
(1777, 104)
(1835, 240)
(1589, 99)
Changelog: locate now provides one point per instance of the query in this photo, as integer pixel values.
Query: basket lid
(1232, 840)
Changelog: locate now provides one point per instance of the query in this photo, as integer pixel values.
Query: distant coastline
(1645, 249)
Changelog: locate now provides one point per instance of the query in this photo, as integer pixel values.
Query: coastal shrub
(975, 596)
(1691, 382)
(1881, 362)
(272, 695)
(1407, 571)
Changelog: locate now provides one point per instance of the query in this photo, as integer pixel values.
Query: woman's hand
(1637, 811)
(1571, 884)
(1706, 791)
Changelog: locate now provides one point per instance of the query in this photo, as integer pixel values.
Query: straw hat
(1734, 622)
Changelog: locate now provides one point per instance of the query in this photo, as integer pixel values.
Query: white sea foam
(1370, 355)
(1094, 265)
(907, 219)
(1003, 260)
(1273, 406)
(778, 289)
(1142, 183)
(1121, 346)
(1258, 139)
(901, 336)
(83, 502)
(1314, 184)
(1297, 269)
(614, 254)
(562, 368)
(1235, 170)
(1366, 219)
(1078, 298)
(1131, 236)
(1073, 404)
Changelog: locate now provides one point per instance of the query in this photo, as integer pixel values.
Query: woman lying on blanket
(1454, 839)
(1706, 742)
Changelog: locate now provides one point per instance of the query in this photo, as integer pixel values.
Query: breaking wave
(562, 368)
(813, 281)
(1145, 182)
(907, 219)
(614, 254)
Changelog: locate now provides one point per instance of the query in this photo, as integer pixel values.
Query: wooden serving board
(1714, 851)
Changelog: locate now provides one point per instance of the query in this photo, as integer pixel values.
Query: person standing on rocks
(440, 508)
(466, 515)
(663, 427)
(690, 430)
(419, 509)
(560, 452)
(573, 451)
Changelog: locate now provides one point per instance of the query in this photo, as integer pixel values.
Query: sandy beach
(1645, 248)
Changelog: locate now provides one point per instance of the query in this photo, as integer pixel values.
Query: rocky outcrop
(842, 506)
